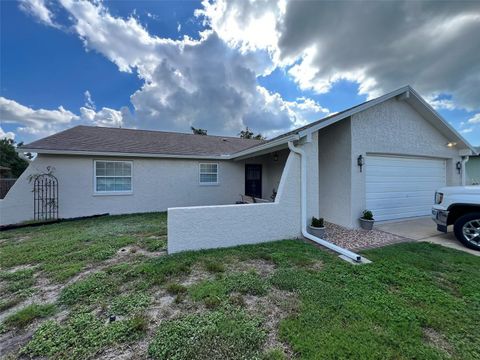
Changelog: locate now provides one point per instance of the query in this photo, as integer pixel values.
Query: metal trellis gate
(45, 197)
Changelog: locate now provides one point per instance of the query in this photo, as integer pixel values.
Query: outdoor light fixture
(275, 157)
(360, 161)
(459, 167)
(451, 144)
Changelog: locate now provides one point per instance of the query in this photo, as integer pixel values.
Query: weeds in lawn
(214, 266)
(6, 304)
(215, 291)
(265, 301)
(211, 335)
(82, 336)
(92, 290)
(18, 283)
(274, 354)
(129, 304)
(64, 249)
(175, 289)
(27, 315)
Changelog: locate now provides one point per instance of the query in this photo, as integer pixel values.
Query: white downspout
(464, 169)
(303, 190)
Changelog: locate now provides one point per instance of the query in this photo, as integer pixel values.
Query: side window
(113, 176)
(208, 174)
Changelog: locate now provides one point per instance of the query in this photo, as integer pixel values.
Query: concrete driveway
(424, 229)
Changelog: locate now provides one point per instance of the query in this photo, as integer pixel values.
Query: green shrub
(317, 222)
(367, 215)
(28, 314)
(213, 335)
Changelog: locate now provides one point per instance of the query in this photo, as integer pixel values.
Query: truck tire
(467, 230)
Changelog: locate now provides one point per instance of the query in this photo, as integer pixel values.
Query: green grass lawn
(279, 300)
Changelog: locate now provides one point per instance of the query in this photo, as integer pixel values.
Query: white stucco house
(387, 155)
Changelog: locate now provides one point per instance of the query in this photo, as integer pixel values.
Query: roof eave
(263, 148)
(122, 154)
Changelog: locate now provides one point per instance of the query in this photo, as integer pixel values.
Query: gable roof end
(406, 93)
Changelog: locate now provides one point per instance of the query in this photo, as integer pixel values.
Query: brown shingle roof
(116, 140)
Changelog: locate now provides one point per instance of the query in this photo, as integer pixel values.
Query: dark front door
(253, 180)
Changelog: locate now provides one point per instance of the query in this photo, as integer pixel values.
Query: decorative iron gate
(45, 197)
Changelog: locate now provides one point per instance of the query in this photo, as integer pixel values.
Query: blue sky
(160, 65)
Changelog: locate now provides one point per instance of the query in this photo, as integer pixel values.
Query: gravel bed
(358, 238)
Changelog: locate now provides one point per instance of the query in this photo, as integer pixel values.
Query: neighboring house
(405, 149)
(473, 169)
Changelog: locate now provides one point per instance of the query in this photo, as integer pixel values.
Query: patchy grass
(90, 291)
(214, 266)
(267, 301)
(18, 284)
(82, 336)
(27, 315)
(64, 249)
(129, 304)
(211, 335)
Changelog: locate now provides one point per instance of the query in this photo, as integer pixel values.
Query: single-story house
(387, 155)
(473, 169)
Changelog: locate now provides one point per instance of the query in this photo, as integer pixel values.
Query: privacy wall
(204, 227)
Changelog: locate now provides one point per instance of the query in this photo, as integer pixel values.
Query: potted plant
(317, 227)
(366, 221)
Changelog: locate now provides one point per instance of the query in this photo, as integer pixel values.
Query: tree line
(244, 134)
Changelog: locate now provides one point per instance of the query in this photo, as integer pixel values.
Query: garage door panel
(393, 161)
(399, 187)
(398, 195)
(403, 186)
(399, 214)
(385, 203)
(408, 172)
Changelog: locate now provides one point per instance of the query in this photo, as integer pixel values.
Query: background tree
(10, 158)
(198, 131)
(248, 134)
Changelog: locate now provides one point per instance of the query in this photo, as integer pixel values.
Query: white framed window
(112, 177)
(208, 173)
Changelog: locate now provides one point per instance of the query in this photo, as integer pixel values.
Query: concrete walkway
(424, 229)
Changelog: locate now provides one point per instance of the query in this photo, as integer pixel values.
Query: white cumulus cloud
(35, 123)
(432, 46)
(6, 135)
(209, 83)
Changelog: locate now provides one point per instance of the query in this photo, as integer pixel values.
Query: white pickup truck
(460, 206)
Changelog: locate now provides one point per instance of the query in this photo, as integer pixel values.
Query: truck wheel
(467, 230)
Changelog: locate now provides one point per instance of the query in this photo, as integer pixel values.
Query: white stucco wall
(394, 128)
(157, 185)
(334, 159)
(193, 228)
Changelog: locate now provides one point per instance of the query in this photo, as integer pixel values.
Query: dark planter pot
(366, 224)
(317, 231)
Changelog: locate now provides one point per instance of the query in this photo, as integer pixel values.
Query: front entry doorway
(253, 180)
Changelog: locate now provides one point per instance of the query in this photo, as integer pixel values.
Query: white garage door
(400, 187)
